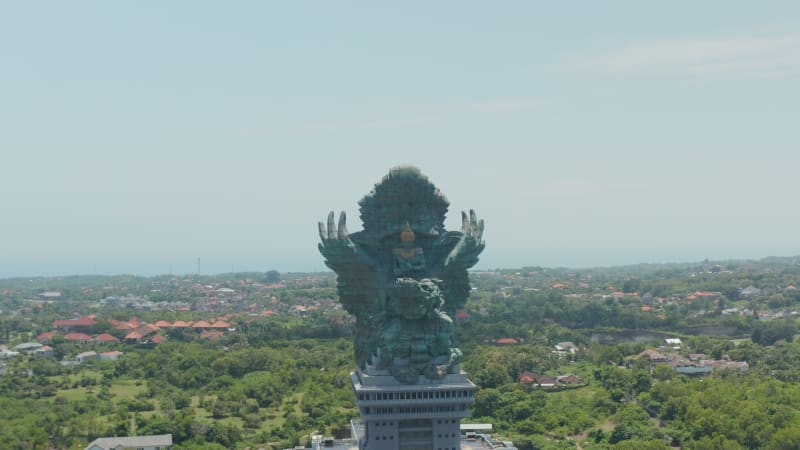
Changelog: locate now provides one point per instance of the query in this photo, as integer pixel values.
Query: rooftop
(157, 440)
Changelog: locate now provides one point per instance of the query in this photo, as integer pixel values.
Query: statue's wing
(357, 282)
(454, 278)
(455, 288)
(357, 286)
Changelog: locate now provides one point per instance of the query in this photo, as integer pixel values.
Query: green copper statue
(404, 276)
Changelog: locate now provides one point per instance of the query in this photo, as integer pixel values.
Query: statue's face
(423, 225)
(415, 300)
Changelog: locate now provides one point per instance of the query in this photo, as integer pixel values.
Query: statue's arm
(336, 246)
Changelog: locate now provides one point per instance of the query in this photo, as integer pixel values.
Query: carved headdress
(403, 196)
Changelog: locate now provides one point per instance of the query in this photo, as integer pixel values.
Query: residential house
(134, 337)
(562, 348)
(201, 325)
(654, 356)
(44, 352)
(83, 324)
(152, 442)
(27, 347)
(46, 337)
(569, 379)
(105, 337)
(80, 338)
(86, 356)
(749, 291)
(220, 325)
(181, 324)
(112, 355)
(533, 379)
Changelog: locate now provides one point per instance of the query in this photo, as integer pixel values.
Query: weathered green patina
(404, 276)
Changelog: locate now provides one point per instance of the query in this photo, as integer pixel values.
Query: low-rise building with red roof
(79, 324)
(125, 326)
(46, 336)
(537, 379)
(138, 334)
(201, 324)
(105, 337)
(77, 337)
(43, 352)
(134, 336)
(112, 355)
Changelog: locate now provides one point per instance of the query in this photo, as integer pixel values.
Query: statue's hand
(465, 253)
(336, 246)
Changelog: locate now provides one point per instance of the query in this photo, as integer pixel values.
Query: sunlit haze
(138, 137)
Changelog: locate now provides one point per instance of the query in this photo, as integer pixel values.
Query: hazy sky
(139, 136)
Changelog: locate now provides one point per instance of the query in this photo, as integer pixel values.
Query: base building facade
(424, 416)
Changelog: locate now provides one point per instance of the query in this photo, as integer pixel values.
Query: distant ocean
(15, 269)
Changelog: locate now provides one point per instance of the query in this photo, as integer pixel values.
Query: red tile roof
(135, 335)
(220, 324)
(163, 324)
(77, 337)
(527, 377)
(704, 294)
(506, 341)
(158, 339)
(105, 337)
(46, 336)
(181, 324)
(201, 324)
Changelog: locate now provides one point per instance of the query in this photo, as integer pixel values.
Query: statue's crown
(407, 235)
(404, 195)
